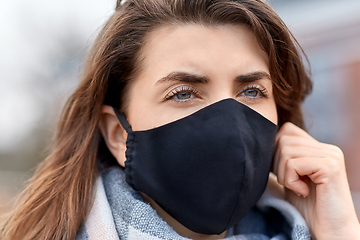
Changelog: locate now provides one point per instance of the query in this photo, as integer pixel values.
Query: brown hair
(60, 195)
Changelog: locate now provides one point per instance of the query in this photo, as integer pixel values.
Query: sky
(28, 33)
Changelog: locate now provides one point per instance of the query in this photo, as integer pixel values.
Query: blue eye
(251, 93)
(183, 95)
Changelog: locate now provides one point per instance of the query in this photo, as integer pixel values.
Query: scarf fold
(119, 212)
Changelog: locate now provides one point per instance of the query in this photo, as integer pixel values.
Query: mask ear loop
(123, 121)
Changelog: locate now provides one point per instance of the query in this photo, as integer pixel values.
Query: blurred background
(42, 48)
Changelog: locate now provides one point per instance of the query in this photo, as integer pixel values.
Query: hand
(315, 181)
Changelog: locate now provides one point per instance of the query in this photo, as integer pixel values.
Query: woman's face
(183, 69)
(187, 67)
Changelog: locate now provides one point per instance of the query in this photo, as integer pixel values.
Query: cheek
(135, 104)
(144, 111)
(268, 110)
(271, 112)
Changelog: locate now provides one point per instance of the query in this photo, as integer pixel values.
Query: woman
(173, 131)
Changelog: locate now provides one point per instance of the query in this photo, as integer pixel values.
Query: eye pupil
(251, 93)
(183, 95)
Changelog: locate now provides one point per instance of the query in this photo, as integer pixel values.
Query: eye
(255, 92)
(183, 93)
(251, 93)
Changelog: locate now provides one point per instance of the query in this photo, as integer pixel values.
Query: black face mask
(206, 170)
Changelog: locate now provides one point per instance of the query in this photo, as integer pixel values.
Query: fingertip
(299, 187)
(303, 195)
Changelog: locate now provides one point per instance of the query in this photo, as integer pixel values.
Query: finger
(283, 139)
(319, 171)
(287, 141)
(293, 180)
(294, 152)
(335, 150)
(298, 141)
(292, 147)
(291, 129)
(315, 148)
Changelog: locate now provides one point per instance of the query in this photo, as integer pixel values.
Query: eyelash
(263, 91)
(176, 91)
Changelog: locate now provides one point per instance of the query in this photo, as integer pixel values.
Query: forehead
(191, 45)
(192, 33)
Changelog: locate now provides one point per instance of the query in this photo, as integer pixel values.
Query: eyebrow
(184, 77)
(252, 77)
(193, 78)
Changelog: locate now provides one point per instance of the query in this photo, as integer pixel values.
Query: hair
(61, 192)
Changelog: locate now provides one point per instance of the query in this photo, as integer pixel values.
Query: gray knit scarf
(119, 212)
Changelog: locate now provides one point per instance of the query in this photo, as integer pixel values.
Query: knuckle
(288, 125)
(290, 168)
(284, 140)
(290, 164)
(335, 150)
(288, 183)
(333, 166)
(285, 152)
(339, 153)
